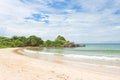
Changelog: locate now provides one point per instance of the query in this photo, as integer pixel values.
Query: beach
(14, 66)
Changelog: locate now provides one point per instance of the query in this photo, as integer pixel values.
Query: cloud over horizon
(77, 20)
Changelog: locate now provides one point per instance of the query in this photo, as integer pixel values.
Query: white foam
(76, 56)
(40, 52)
(46, 53)
(29, 51)
(91, 57)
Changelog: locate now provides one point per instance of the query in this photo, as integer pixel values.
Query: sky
(81, 21)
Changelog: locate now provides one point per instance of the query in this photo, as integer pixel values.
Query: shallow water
(107, 54)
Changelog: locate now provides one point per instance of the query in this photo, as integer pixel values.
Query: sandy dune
(18, 67)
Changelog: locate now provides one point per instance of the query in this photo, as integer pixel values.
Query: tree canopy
(22, 41)
(34, 41)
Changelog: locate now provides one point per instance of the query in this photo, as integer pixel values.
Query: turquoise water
(93, 50)
(92, 53)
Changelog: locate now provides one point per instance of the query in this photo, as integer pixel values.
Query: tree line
(22, 41)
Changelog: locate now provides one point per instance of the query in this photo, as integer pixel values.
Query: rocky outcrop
(72, 44)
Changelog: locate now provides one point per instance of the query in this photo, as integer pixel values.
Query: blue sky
(81, 21)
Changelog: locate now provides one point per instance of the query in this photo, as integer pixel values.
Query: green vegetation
(33, 41)
(58, 42)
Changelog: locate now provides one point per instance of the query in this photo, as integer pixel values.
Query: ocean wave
(29, 51)
(74, 55)
(36, 52)
(92, 57)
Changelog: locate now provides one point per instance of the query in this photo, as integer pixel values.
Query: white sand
(19, 67)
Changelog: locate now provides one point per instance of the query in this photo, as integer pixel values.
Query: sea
(93, 53)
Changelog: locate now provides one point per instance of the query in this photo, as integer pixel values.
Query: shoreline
(114, 69)
(20, 67)
(108, 61)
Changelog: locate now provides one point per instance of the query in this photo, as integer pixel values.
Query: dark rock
(72, 44)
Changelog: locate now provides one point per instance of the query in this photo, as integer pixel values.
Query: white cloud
(97, 22)
(117, 27)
